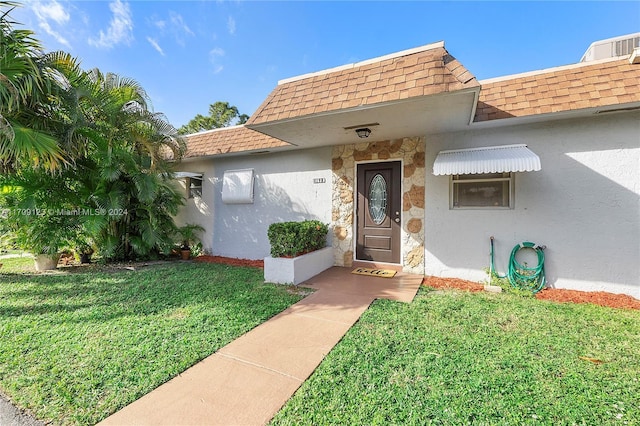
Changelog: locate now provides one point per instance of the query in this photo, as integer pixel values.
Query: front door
(378, 212)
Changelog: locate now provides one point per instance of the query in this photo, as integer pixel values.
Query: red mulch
(601, 298)
(437, 282)
(230, 261)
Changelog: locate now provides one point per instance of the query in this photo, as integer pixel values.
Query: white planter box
(282, 270)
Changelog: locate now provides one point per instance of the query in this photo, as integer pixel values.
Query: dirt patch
(112, 267)
(601, 298)
(299, 291)
(230, 261)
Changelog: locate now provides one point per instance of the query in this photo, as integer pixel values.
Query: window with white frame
(194, 186)
(480, 191)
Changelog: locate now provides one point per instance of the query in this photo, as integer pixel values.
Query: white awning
(488, 159)
(188, 174)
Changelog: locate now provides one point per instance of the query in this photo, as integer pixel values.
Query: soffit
(415, 117)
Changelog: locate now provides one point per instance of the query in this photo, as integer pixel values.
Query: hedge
(291, 239)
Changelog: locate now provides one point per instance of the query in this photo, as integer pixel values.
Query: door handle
(397, 219)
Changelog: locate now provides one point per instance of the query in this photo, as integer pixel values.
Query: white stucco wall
(584, 205)
(198, 210)
(284, 190)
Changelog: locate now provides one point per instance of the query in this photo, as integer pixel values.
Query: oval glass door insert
(378, 199)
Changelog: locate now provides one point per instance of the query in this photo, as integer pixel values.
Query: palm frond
(32, 146)
(146, 186)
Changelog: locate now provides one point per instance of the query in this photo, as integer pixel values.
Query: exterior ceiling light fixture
(363, 132)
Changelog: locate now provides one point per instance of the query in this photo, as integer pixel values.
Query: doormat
(382, 273)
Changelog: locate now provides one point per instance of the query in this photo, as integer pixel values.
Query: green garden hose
(521, 276)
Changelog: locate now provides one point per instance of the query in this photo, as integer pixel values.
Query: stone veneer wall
(344, 159)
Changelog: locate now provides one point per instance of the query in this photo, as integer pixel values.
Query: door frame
(354, 223)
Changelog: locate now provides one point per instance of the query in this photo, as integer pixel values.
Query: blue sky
(189, 54)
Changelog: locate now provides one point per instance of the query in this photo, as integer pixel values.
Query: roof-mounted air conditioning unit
(612, 47)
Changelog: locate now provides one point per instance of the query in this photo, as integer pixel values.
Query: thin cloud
(51, 11)
(174, 26)
(216, 52)
(178, 23)
(231, 25)
(155, 45)
(120, 28)
(214, 55)
(159, 23)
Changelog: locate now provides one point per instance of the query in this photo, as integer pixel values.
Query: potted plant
(84, 251)
(188, 237)
(40, 213)
(45, 240)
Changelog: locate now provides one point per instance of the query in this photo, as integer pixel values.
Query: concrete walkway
(250, 379)
(10, 415)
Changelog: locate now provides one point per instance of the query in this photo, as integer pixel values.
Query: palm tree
(125, 173)
(29, 83)
(103, 148)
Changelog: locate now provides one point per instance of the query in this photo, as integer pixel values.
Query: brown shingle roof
(423, 72)
(565, 89)
(228, 140)
(413, 73)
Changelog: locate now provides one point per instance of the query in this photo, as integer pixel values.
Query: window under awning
(488, 159)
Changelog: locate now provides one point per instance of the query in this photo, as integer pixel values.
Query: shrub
(290, 239)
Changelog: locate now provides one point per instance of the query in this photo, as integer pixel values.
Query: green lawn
(456, 358)
(77, 346)
(13, 265)
(11, 251)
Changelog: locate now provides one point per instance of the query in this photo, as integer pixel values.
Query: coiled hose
(521, 276)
